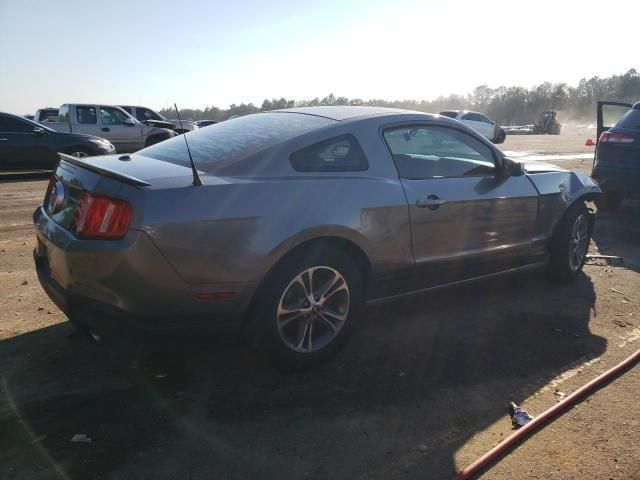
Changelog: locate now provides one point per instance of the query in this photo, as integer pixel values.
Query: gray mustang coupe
(284, 224)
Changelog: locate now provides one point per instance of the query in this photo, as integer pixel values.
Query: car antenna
(196, 178)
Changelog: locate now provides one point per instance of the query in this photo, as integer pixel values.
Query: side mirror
(129, 122)
(38, 131)
(512, 168)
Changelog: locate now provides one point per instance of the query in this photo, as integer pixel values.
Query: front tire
(309, 307)
(570, 243)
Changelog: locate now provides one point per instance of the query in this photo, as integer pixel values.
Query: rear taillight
(97, 217)
(611, 137)
(52, 182)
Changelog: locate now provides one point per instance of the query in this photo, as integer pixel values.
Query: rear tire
(570, 243)
(609, 201)
(300, 319)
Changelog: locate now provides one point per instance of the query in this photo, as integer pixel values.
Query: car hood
(540, 167)
(160, 124)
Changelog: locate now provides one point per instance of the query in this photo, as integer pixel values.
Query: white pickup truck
(108, 121)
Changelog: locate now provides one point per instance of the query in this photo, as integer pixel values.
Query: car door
(86, 120)
(466, 221)
(23, 145)
(121, 129)
(608, 115)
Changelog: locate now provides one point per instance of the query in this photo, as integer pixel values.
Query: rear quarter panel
(234, 229)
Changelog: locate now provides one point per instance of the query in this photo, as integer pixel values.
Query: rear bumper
(126, 285)
(111, 321)
(625, 181)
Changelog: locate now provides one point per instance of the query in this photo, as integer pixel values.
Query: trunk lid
(111, 176)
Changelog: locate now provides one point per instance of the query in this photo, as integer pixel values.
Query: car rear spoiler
(87, 165)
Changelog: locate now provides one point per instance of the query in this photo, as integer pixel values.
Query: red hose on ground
(496, 452)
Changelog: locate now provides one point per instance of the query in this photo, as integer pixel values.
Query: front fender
(558, 191)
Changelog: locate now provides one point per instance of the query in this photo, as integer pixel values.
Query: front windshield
(233, 140)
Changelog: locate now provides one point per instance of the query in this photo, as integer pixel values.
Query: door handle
(105, 129)
(432, 202)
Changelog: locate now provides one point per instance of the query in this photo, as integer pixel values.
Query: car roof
(345, 112)
(464, 111)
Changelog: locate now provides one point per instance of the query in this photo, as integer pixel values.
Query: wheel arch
(582, 199)
(78, 146)
(323, 243)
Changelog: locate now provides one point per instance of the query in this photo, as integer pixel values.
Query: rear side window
(87, 115)
(12, 125)
(338, 154)
(630, 120)
(476, 117)
(226, 143)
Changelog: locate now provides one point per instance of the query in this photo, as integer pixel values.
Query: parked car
(205, 123)
(45, 115)
(184, 126)
(478, 122)
(148, 117)
(616, 165)
(26, 145)
(294, 220)
(110, 122)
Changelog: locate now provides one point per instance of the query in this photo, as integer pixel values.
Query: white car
(478, 122)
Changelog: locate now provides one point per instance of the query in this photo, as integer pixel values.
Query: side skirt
(533, 266)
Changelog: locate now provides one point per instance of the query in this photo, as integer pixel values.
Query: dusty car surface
(302, 216)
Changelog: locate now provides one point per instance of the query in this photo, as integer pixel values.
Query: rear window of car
(231, 141)
(449, 114)
(338, 154)
(630, 120)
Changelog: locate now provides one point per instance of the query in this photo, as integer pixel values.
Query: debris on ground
(38, 439)
(423, 448)
(519, 417)
(25, 283)
(559, 394)
(624, 295)
(160, 375)
(80, 438)
(607, 258)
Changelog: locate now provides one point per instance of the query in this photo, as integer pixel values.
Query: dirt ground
(420, 391)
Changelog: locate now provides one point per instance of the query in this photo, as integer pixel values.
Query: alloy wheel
(313, 309)
(579, 242)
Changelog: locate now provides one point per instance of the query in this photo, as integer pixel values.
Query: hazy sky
(200, 53)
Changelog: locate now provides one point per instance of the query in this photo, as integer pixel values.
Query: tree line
(505, 105)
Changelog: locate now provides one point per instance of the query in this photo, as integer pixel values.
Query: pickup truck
(149, 117)
(108, 121)
(46, 115)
